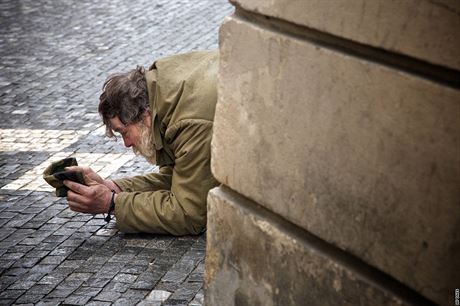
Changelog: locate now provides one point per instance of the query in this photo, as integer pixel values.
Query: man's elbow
(197, 224)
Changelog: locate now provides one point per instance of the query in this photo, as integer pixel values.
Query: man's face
(137, 136)
(130, 133)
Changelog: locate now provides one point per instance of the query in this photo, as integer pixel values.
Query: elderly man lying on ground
(166, 115)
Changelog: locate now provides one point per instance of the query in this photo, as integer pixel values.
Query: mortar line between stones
(362, 269)
(423, 69)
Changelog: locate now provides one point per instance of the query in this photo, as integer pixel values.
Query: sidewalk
(54, 57)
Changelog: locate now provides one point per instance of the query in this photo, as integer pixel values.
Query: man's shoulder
(189, 58)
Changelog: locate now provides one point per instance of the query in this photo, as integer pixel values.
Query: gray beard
(146, 147)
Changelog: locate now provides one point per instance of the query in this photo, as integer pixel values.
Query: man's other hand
(89, 174)
(92, 199)
(92, 177)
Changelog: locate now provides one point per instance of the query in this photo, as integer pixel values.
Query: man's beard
(146, 147)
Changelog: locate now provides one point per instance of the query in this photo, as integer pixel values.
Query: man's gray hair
(124, 95)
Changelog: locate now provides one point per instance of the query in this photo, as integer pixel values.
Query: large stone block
(364, 156)
(251, 260)
(427, 30)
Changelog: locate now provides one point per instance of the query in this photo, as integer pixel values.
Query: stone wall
(337, 143)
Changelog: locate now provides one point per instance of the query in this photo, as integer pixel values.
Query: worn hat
(55, 174)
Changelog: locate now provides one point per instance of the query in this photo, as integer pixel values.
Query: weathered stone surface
(252, 261)
(427, 30)
(361, 155)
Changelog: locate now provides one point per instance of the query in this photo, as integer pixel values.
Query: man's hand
(89, 174)
(92, 199)
(92, 178)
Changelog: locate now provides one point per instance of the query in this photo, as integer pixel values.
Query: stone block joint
(435, 73)
(353, 263)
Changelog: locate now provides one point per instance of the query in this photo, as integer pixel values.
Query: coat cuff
(121, 212)
(124, 184)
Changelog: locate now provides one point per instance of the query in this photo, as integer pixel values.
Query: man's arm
(182, 209)
(95, 197)
(147, 182)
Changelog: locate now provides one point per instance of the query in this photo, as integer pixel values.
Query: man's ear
(147, 120)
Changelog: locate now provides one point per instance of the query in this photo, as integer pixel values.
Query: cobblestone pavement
(55, 56)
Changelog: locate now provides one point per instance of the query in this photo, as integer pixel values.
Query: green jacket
(182, 92)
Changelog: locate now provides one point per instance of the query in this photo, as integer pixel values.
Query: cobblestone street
(55, 56)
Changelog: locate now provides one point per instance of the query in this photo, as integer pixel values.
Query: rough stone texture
(427, 30)
(364, 156)
(270, 266)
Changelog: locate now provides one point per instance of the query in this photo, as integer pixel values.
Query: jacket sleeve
(148, 182)
(182, 209)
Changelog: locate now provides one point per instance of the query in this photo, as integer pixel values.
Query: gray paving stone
(126, 302)
(3, 221)
(50, 302)
(43, 268)
(98, 303)
(149, 303)
(51, 75)
(72, 242)
(61, 293)
(117, 286)
(76, 300)
(171, 302)
(73, 264)
(186, 292)
(40, 289)
(107, 296)
(6, 302)
(47, 246)
(32, 241)
(28, 298)
(15, 271)
(5, 232)
(53, 260)
(26, 262)
(79, 276)
(70, 284)
(135, 294)
(55, 239)
(135, 268)
(7, 255)
(50, 228)
(6, 281)
(167, 286)
(62, 251)
(52, 279)
(19, 220)
(197, 274)
(11, 294)
(198, 300)
(149, 278)
(88, 291)
(97, 282)
(74, 224)
(125, 278)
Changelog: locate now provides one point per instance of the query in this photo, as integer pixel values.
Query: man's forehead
(116, 124)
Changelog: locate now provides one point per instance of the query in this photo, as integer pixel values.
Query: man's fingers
(75, 168)
(78, 198)
(89, 181)
(91, 177)
(78, 188)
(89, 199)
(76, 207)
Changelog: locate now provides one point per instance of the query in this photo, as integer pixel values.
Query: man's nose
(128, 142)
